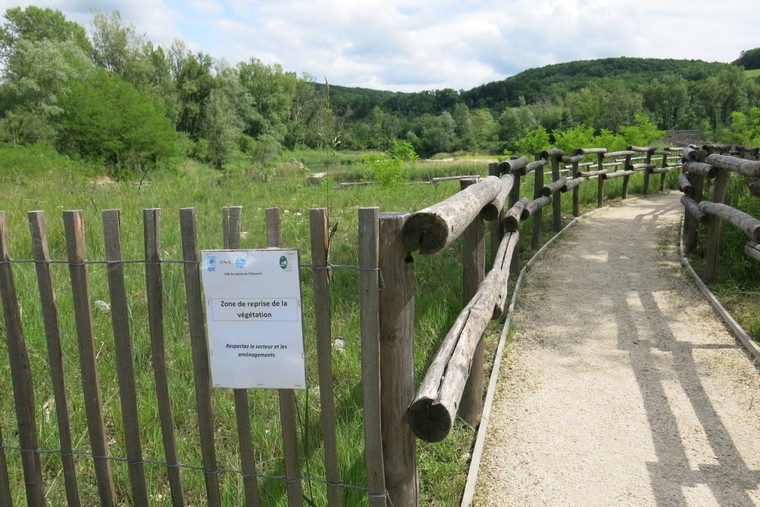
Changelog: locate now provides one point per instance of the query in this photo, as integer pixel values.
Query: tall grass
(55, 184)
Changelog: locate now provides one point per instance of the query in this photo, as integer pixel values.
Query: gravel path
(622, 386)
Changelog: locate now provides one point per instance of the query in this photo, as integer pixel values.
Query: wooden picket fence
(395, 411)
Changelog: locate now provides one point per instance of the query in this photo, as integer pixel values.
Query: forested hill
(527, 87)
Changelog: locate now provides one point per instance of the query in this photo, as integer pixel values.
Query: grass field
(38, 180)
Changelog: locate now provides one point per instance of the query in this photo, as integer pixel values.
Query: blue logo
(283, 262)
(240, 262)
(212, 263)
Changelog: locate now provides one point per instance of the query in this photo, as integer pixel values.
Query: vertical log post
(556, 156)
(662, 175)
(497, 228)
(514, 196)
(600, 180)
(369, 301)
(21, 375)
(473, 267)
(80, 279)
(231, 218)
(154, 285)
(397, 361)
(647, 172)
(538, 215)
(691, 227)
(627, 177)
(712, 248)
(576, 189)
(200, 353)
(320, 244)
(49, 307)
(124, 352)
(287, 397)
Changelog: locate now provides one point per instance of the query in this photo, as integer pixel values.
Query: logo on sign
(240, 262)
(283, 262)
(212, 263)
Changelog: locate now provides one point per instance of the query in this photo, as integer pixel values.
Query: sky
(414, 45)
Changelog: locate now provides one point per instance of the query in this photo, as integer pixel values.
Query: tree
(667, 99)
(222, 128)
(194, 82)
(749, 59)
(35, 24)
(109, 120)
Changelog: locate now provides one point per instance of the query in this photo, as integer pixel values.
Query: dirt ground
(622, 386)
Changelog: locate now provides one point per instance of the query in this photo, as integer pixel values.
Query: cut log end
(429, 420)
(425, 232)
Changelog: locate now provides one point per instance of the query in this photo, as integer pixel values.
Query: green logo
(283, 262)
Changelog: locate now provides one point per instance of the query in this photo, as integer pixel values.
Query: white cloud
(426, 44)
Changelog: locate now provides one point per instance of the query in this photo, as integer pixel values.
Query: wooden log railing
(710, 163)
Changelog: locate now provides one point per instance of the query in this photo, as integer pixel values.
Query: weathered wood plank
(369, 308)
(21, 374)
(200, 354)
(49, 310)
(702, 169)
(516, 165)
(287, 397)
(320, 262)
(505, 254)
(231, 227)
(79, 274)
(752, 250)
(572, 183)
(533, 206)
(616, 174)
(432, 229)
(5, 485)
(397, 361)
(154, 284)
(125, 371)
(553, 187)
(685, 184)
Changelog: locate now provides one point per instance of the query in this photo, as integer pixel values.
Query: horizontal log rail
(436, 227)
(533, 206)
(492, 210)
(692, 207)
(701, 168)
(748, 224)
(512, 220)
(617, 174)
(555, 186)
(571, 184)
(734, 164)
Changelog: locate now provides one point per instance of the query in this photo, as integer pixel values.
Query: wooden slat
(154, 284)
(125, 370)
(320, 244)
(5, 485)
(397, 361)
(199, 344)
(21, 375)
(369, 303)
(287, 397)
(80, 285)
(712, 246)
(231, 230)
(49, 309)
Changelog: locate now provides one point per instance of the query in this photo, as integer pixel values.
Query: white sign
(253, 311)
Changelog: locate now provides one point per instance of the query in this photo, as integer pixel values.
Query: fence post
(79, 274)
(154, 287)
(712, 248)
(21, 375)
(231, 216)
(320, 244)
(556, 156)
(397, 361)
(497, 228)
(369, 300)
(626, 178)
(124, 353)
(538, 215)
(514, 196)
(200, 352)
(473, 267)
(5, 486)
(49, 308)
(287, 397)
(647, 172)
(600, 180)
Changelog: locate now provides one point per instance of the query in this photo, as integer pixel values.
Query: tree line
(110, 95)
